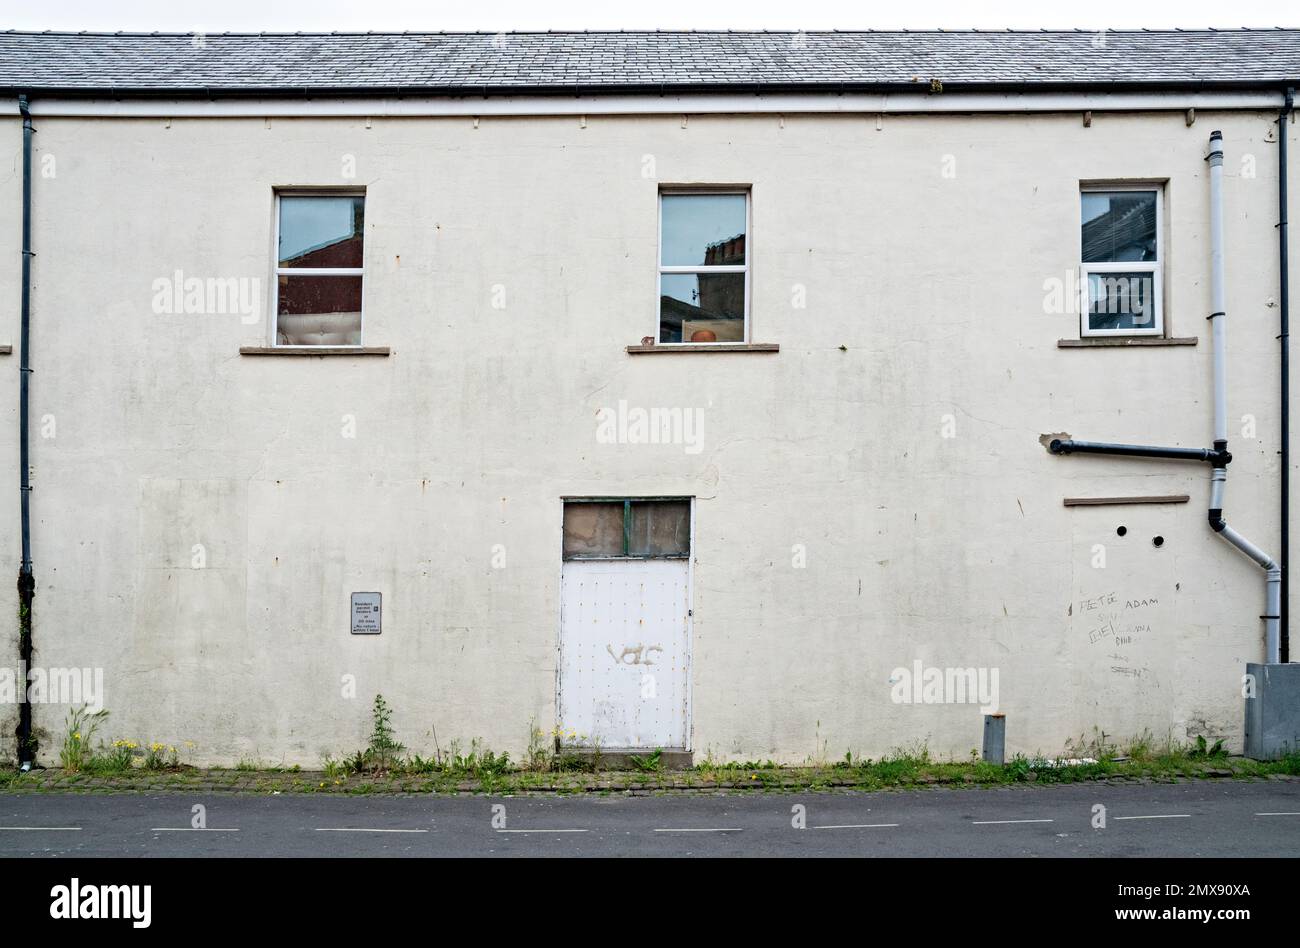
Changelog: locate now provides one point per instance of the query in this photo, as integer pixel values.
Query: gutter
(920, 85)
(915, 99)
(26, 581)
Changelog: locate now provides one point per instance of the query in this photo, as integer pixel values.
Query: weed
(422, 765)
(478, 762)
(1201, 751)
(161, 757)
(356, 764)
(540, 755)
(1018, 768)
(1096, 747)
(114, 759)
(571, 762)
(818, 758)
(384, 748)
(77, 747)
(1141, 747)
(651, 763)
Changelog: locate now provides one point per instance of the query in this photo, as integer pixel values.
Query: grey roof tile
(614, 61)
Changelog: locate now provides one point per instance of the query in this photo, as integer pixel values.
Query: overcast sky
(216, 15)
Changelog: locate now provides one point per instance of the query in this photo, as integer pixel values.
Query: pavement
(1223, 818)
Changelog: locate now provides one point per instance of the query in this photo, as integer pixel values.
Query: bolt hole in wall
(1122, 530)
(1158, 541)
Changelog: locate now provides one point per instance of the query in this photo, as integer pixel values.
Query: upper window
(1121, 262)
(703, 266)
(318, 269)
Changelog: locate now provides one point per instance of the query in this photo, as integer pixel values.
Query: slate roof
(486, 63)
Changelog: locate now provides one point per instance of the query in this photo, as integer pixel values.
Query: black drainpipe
(26, 582)
(1284, 301)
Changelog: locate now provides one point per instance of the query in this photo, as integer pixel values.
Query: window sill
(704, 347)
(315, 351)
(1105, 342)
(1118, 501)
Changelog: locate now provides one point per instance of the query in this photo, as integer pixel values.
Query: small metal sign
(367, 612)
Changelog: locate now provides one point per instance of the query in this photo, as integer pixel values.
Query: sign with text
(367, 610)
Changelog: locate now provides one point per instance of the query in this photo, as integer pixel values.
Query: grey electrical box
(367, 613)
(995, 738)
(1273, 711)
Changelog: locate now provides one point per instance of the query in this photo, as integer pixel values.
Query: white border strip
(326, 106)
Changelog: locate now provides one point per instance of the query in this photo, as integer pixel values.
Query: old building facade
(670, 390)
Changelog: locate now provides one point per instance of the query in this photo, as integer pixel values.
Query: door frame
(689, 723)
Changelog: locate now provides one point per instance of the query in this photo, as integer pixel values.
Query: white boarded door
(624, 652)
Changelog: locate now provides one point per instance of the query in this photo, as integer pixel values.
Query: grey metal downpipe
(1284, 335)
(1219, 475)
(26, 580)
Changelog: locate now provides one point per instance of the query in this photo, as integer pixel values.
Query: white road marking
(1003, 822)
(1277, 814)
(720, 829)
(855, 826)
(192, 829)
(361, 829)
(40, 829)
(543, 831)
(1158, 816)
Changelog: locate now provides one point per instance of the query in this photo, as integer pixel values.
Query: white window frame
(1155, 267)
(745, 268)
(279, 271)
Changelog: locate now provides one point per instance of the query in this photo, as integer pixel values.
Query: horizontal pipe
(1213, 456)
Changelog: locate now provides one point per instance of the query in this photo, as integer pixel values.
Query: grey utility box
(1273, 714)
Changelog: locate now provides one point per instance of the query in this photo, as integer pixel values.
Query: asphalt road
(1205, 818)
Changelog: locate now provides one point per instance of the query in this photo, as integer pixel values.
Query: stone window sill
(705, 347)
(1120, 342)
(315, 350)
